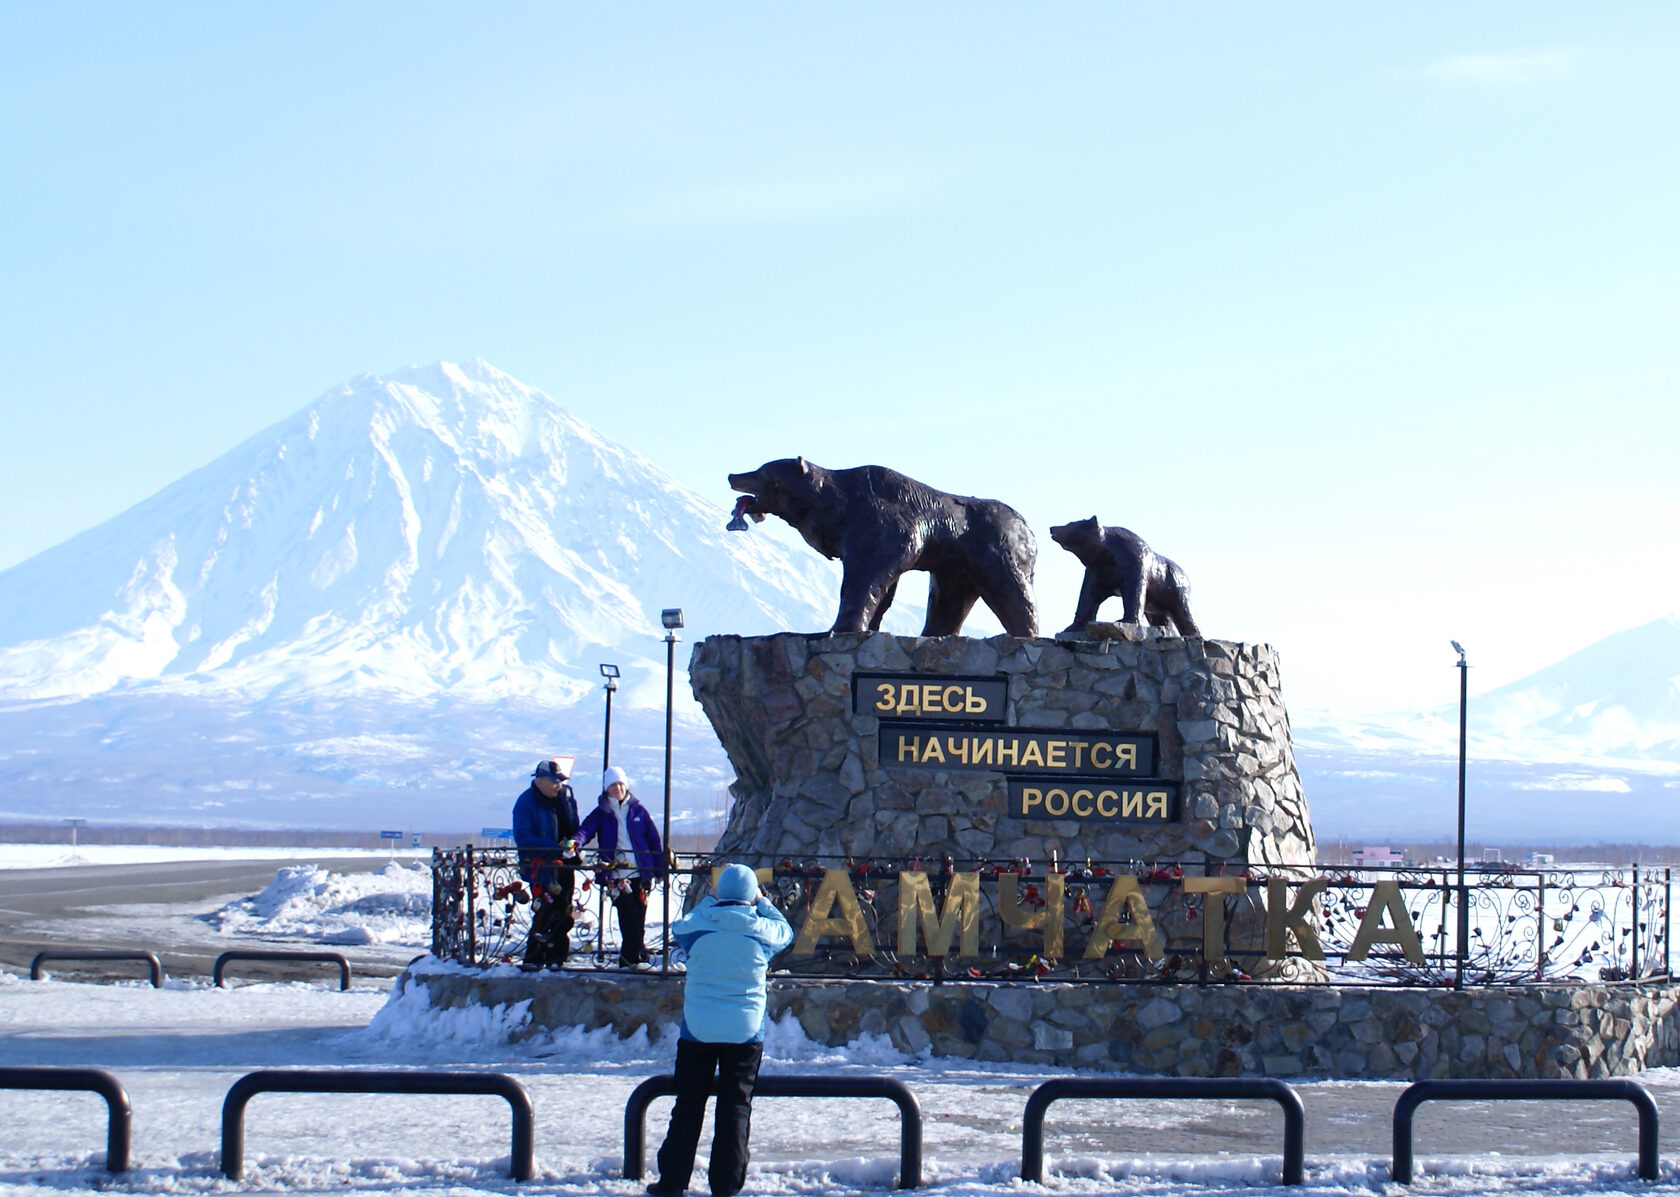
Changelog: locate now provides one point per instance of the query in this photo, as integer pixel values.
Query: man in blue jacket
(545, 820)
(730, 937)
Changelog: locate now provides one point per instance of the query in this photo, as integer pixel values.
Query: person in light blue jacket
(729, 936)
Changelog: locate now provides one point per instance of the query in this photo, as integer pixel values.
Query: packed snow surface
(178, 1049)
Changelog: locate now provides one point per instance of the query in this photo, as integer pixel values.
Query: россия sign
(1093, 798)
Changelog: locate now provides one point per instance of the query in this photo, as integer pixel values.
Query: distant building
(1540, 858)
(1377, 857)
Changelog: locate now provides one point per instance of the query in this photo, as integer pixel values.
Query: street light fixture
(1463, 893)
(672, 619)
(610, 672)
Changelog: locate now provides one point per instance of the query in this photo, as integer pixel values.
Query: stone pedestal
(810, 780)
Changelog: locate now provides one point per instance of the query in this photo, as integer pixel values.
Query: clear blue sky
(1366, 316)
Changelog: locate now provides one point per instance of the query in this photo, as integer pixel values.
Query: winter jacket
(540, 828)
(601, 825)
(729, 946)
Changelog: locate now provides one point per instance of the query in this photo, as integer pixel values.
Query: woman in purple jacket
(631, 857)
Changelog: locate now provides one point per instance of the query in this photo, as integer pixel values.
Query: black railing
(1527, 926)
(337, 958)
(341, 1080)
(909, 1113)
(147, 958)
(119, 1125)
(1164, 1089)
(1512, 1090)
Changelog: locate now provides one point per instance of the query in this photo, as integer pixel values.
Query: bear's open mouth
(744, 506)
(747, 503)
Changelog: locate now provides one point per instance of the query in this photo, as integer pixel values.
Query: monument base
(1539, 1031)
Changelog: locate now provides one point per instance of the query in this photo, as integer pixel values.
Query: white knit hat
(614, 773)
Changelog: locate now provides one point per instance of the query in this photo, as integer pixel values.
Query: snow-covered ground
(178, 1049)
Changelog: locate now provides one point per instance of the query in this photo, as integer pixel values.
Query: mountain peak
(439, 529)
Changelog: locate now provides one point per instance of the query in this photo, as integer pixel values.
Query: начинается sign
(1019, 751)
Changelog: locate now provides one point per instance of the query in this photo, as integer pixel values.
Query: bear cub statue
(881, 524)
(1117, 561)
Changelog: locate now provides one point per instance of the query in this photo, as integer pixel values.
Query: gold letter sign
(836, 889)
(1385, 895)
(1123, 896)
(962, 907)
(1048, 920)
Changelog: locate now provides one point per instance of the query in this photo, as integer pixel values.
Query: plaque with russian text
(919, 696)
(1093, 799)
(1069, 753)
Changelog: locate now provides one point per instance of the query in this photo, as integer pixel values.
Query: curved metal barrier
(315, 957)
(1158, 1088)
(1514, 1090)
(150, 958)
(340, 1080)
(119, 1131)
(910, 1113)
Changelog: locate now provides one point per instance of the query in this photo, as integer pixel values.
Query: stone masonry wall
(809, 780)
(1182, 1030)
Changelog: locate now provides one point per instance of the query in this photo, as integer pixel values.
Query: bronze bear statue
(881, 524)
(1117, 561)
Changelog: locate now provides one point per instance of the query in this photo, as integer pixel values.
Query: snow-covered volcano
(409, 582)
(438, 530)
(1584, 750)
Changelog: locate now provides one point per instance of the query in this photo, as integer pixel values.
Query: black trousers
(551, 923)
(736, 1067)
(632, 921)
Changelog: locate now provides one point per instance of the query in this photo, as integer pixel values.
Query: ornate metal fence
(982, 920)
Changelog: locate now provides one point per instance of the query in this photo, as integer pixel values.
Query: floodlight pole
(606, 738)
(665, 890)
(1463, 891)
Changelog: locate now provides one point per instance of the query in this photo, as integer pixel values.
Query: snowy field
(46, 856)
(178, 1049)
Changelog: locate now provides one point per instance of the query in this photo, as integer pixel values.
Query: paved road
(72, 907)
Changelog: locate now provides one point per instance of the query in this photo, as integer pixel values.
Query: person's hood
(733, 917)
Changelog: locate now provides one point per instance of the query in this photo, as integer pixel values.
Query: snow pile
(409, 1022)
(392, 906)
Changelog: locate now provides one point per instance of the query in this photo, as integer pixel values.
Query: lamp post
(672, 619)
(610, 672)
(1463, 892)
